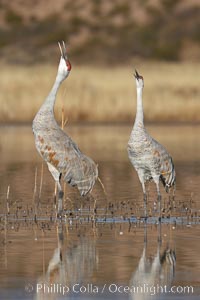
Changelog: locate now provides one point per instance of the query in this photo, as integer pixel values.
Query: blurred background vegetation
(159, 37)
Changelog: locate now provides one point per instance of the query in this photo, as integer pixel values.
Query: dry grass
(103, 94)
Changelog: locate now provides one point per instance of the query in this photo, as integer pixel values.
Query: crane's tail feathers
(102, 185)
(168, 185)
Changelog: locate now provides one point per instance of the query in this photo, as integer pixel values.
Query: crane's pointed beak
(137, 76)
(63, 50)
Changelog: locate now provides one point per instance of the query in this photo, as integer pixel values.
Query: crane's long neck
(139, 112)
(45, 116)
(48, 105)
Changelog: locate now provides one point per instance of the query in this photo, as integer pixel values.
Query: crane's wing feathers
(163, 163)
(81, 172)
(77, 169)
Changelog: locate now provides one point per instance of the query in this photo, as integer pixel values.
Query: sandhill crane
(73, 261)
(149, 158)
(153, 276)
(61, 154)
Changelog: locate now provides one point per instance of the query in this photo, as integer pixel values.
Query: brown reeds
(7, 200)
(101, 94)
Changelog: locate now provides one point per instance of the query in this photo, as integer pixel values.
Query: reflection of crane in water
(153, 276)
(61, 154)
(149, 158)
(70, 265)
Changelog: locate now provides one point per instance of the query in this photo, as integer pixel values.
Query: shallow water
(103, 252)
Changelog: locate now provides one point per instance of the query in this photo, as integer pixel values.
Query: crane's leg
(57, 176)
(60, 198)
(141, 178)
(173, 195)
(157, 181)
(145, 200)
(145, 234)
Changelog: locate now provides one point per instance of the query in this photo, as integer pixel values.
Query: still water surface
(109, 252)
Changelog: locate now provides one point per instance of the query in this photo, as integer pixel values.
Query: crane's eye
(68, 65)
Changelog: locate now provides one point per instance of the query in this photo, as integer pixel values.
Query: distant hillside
(109, 31)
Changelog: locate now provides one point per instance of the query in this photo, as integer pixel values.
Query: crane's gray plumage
(149, 158)
(62, 155)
